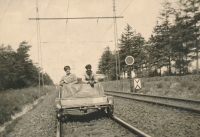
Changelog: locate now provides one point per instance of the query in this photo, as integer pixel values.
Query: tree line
(17, 70)
(174, 44)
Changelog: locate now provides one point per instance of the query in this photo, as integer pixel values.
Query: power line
(5, 10)
(47, 6)
(66, 22)
(126, 7)
(66, 27)
(113, 23)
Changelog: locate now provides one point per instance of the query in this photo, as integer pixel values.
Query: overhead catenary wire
(97, 28)
(38, 17)
(47, 6)
(111, 25)
(83, 18)
(66, 23)
(5, 10)
(93, 36)
(126, 7)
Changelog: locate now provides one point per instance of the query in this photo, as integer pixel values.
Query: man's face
(67, 70)
(89, 70)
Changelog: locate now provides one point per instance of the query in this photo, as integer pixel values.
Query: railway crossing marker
(137, 83)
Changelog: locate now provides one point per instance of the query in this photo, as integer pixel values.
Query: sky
(72, 42)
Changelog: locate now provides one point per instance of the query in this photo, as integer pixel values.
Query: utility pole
(116, 43)
(115, 38)
(38, 40)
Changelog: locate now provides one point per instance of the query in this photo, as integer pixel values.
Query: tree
(185, 34)
(47, 79)
(103, 65)
(125, 45)
(131, 44)
(7, 67)
(16, 69)
(193, 24)
(163, 31)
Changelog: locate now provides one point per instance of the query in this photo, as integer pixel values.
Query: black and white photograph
(100, 68)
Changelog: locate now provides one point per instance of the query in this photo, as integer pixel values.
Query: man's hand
(65, 81)
(92, 83)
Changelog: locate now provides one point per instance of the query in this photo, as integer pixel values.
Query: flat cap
(66, 67)
(88, 66)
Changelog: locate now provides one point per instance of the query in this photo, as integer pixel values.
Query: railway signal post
(129, 60)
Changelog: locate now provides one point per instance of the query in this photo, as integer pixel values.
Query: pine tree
(163, 31)
(131, 44)
(103, 65)
(192, 11)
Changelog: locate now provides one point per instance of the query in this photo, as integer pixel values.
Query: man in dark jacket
(89, 77)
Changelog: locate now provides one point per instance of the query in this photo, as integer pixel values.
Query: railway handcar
(83, 97)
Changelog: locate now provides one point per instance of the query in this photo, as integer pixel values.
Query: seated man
(68, 78)
(89, 77)
(66, 83)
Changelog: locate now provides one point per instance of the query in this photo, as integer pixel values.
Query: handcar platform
(83, 97)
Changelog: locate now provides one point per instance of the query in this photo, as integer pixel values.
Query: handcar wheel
(103, 110)
(59, 114)
(110, 110)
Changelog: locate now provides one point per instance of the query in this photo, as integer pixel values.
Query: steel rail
(171, 98)
(58, 133)
(155, 102)
(130, 127)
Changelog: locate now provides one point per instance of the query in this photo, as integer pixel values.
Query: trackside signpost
(129, 60)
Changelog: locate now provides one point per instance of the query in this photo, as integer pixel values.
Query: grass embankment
(171, 86)
(13, 101)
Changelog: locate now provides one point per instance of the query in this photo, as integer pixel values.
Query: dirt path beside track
(39, 122)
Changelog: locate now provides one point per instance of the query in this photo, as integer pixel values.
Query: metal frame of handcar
(108, 107)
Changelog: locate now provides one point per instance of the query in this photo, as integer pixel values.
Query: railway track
(183, 104)
(78, 123)
(137, 131)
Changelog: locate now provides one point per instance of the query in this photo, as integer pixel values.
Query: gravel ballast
(41, 122)
(158, 120)
(154, 120)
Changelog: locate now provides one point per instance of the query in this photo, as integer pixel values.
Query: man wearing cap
(68, 78)
(89, 77)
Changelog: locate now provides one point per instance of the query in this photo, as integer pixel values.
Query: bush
(191, 86)
(184, 83)
(166, 79)
(100, 79)
(160, 85)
